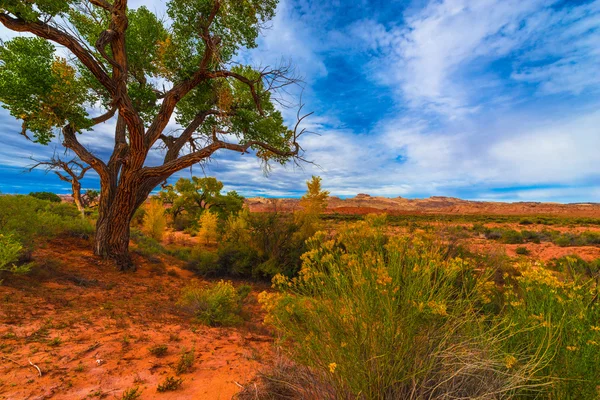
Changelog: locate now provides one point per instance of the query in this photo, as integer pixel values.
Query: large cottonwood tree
(142, 72)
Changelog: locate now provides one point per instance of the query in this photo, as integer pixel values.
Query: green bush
(10, 252)
(238, 260)
(574, 266)
(512, 237)
(255, 246)
(218, 305)
(563, 240)
(531, 236)
(48, 196)
(28, 219)
(204, 263)
(146, 245)
(493, 234)
(522, 251)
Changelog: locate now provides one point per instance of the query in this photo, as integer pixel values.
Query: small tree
(71, 171)
(90, 198)
(48, 196)
(194, 196)
(208, 227)
(154, 222)
(144, 71)
(312, 204)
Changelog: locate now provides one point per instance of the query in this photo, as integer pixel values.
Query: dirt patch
(90, 328)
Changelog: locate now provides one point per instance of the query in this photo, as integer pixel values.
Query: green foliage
(132, 394)
(512, 237)
(10, 251)
(574, 266)
(217, 305)
(522, 251)
(204, 263)
(188, 199)
(560, 312)
(40, 88)
(91, 197)
(52, 197)
(170, 384)
(48, 92)
(362, 303)
(254, 246)
(158, 350)
(186, 361)
(237, 24)
(146, 245)
(28, 219)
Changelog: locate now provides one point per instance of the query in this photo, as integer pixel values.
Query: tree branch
(179, 91)
(102, 4)
(70, 141)
(188, 160)
(175, 145)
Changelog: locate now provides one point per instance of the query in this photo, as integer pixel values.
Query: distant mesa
(364, 203)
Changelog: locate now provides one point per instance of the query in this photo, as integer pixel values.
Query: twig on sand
(36, 367)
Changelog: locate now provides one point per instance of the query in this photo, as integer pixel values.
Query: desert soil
(89, 329)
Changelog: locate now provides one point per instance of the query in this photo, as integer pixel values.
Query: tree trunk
(76, 186)
(117, 206)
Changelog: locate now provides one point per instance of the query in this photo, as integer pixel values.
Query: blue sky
(479, 99)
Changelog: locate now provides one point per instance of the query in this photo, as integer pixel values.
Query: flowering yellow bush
(392, 317)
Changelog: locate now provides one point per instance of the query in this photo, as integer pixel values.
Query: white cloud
(437, 59)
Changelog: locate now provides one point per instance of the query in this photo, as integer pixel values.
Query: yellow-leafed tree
(312, 204)
(155, 221)
(208, 227)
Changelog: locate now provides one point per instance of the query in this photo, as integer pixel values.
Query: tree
(312, 204)
(194, 196)
(144, 72)
(48, 196)
(154, 222)
(208, 227)
(90, 198)
(71, 171)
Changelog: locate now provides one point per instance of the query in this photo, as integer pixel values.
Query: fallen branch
(36, 367)
(11, 360)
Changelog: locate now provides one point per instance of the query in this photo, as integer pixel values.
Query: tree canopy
(194, 196)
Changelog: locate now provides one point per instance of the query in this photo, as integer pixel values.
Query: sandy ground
(89, 329)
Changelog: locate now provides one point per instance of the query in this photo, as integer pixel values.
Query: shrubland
(363, 312)
(261, 245)
(25, 221)
(375, 316)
